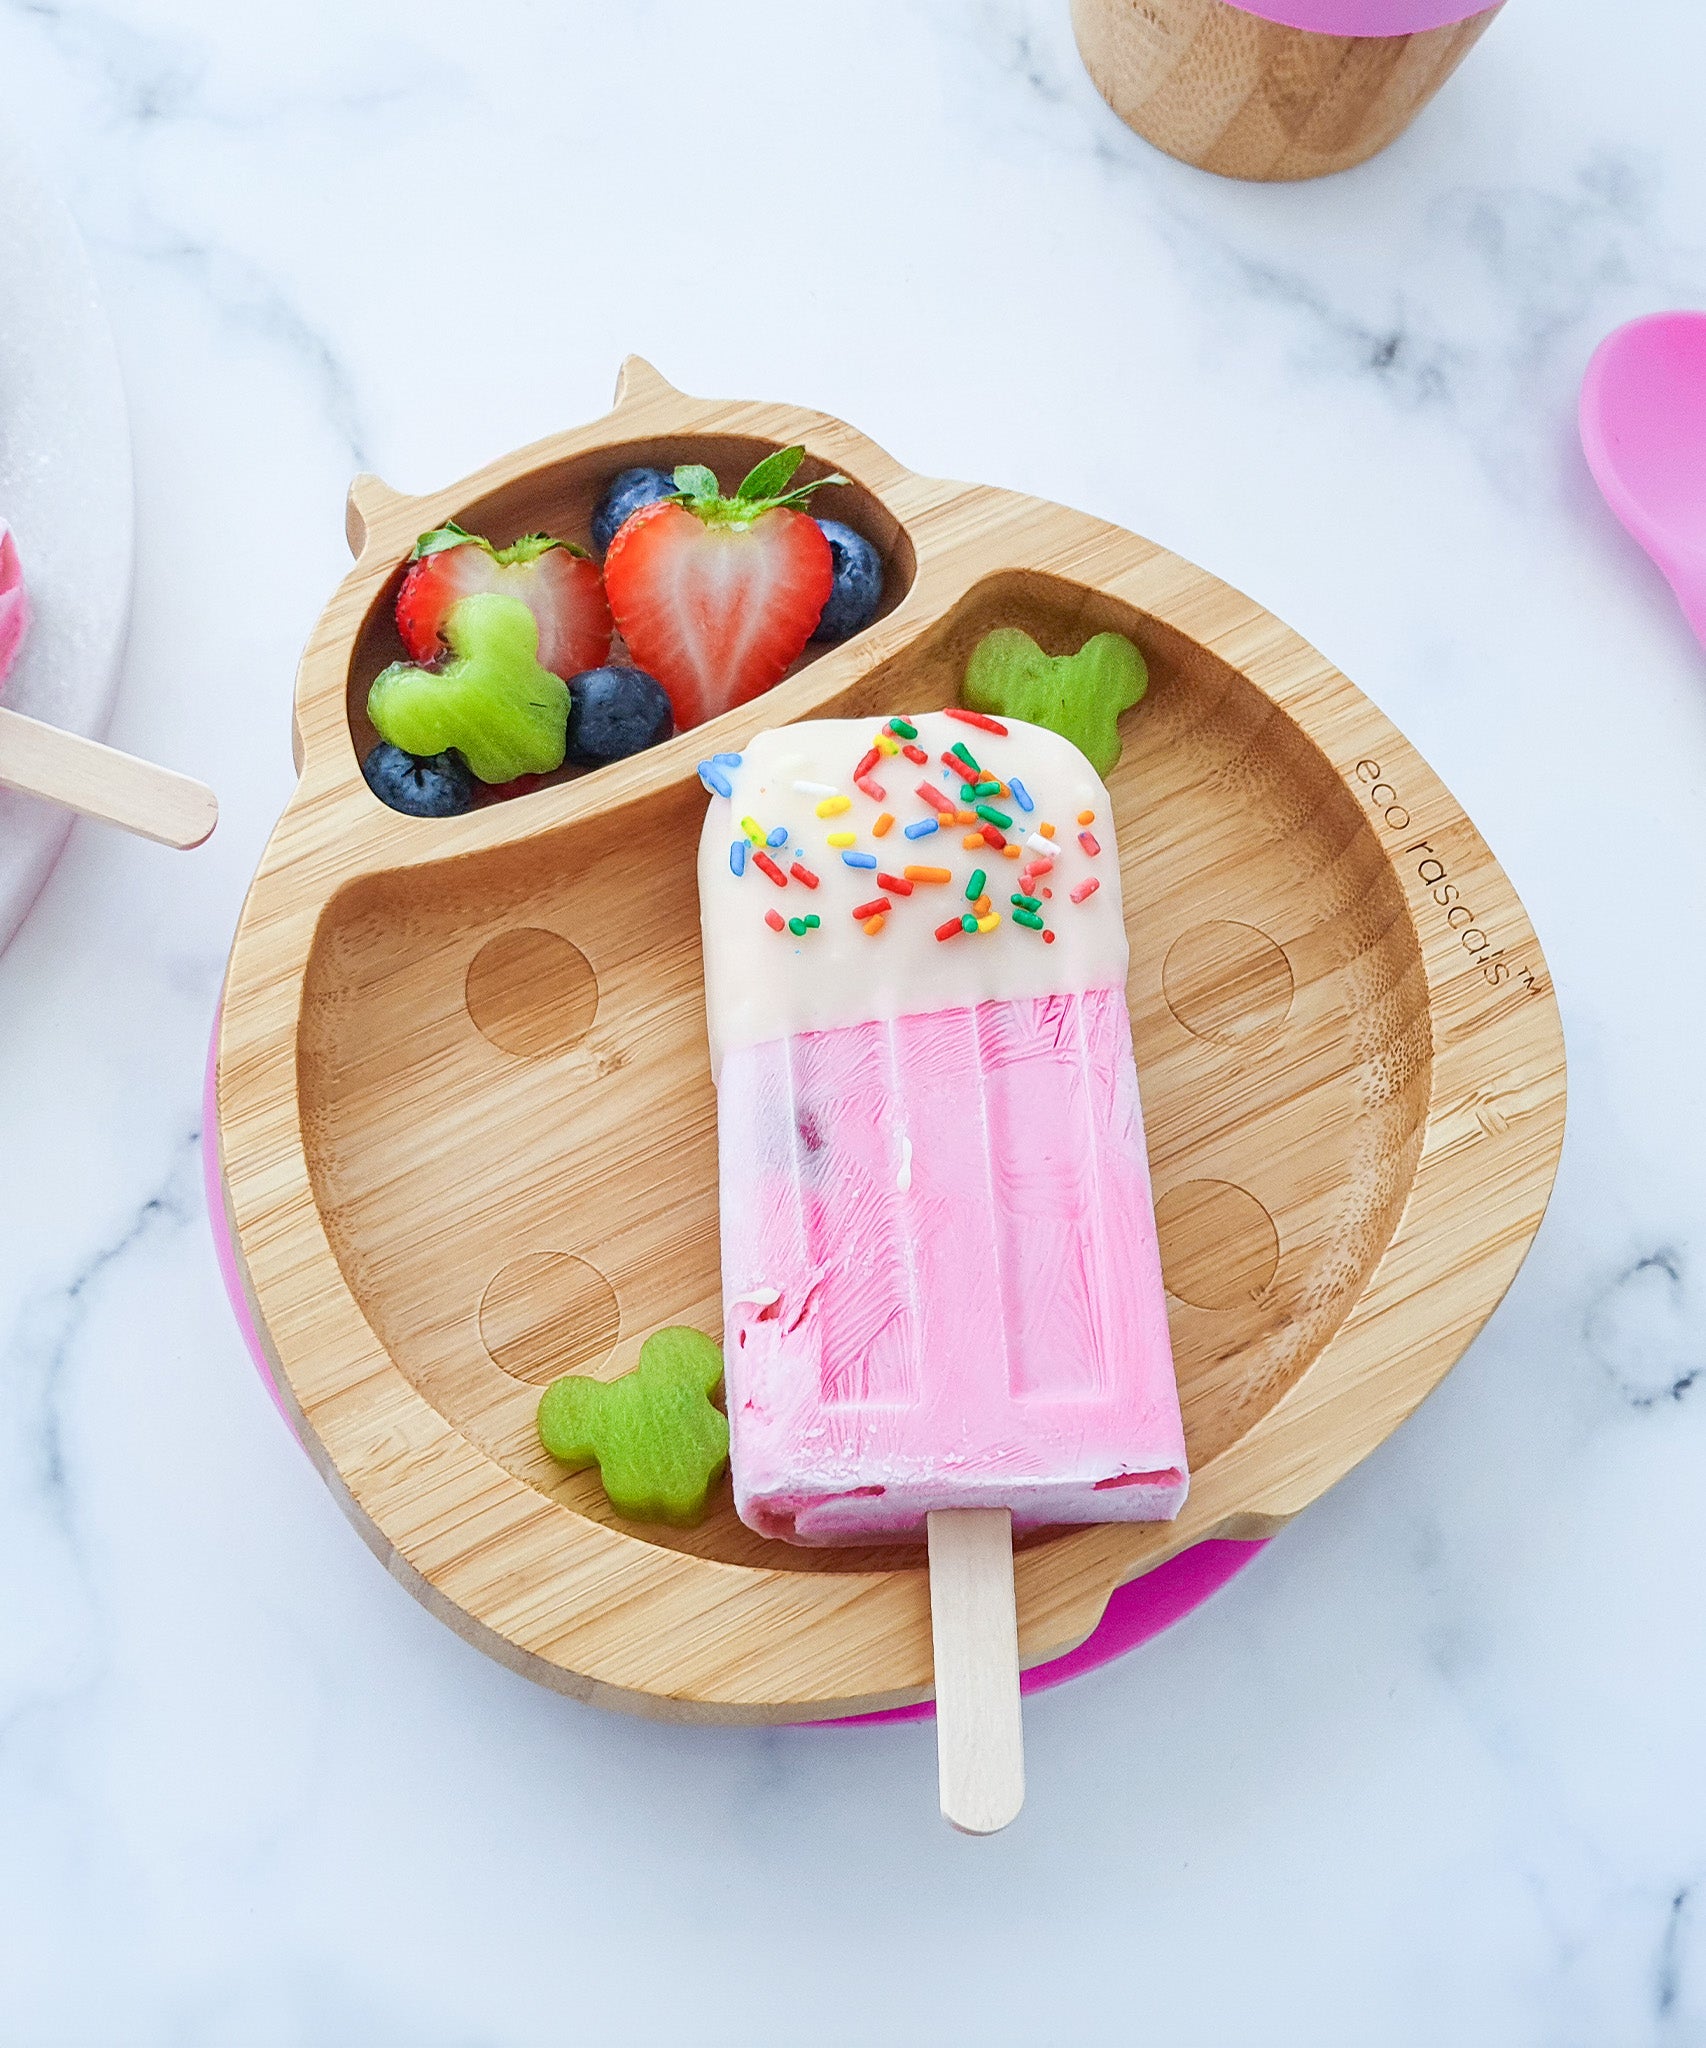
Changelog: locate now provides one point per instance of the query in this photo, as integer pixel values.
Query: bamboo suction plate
(468, 1133)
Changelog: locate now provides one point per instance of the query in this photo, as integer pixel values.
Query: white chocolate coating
(761, 984)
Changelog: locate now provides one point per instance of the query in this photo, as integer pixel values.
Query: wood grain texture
(99, 782)
(1350, 1055)
(980, 1747)
(1247, 98)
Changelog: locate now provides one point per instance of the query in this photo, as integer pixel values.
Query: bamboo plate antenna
(974, 1630)
(99, 782)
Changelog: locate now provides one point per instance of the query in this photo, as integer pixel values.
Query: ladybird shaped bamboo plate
(467, 1127)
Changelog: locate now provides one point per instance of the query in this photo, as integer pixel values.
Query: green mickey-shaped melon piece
(504, 714)
(1080, 696)
(655, 1435)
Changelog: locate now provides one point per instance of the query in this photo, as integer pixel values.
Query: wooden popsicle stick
(100, 782)
(974, 1628)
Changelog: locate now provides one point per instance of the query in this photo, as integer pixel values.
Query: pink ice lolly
(941, 1281)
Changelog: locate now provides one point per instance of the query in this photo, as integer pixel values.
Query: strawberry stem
(772, 476)
(763, 489)
(519, 552)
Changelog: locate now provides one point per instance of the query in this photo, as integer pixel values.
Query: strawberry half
(717, 596)
(557, 582)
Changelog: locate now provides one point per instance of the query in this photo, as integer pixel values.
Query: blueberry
(433, 786)
(615, 712)
(623, 496)
(858, 587)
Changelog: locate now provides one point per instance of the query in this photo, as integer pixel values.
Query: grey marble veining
(1426, 1772)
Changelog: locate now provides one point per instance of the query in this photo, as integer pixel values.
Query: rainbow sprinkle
(986, 807)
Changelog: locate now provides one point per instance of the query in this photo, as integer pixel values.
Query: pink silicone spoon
(1643, 420)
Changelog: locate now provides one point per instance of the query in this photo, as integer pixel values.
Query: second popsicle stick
(980, 1744)
(102, 783)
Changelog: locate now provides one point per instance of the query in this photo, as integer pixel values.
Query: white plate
(65, 486)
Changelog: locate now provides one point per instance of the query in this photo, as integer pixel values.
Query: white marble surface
(1430, 1770)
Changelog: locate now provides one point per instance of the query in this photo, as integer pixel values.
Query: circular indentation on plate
(1227, 982)
(1219, 1247)
(547, 1314)
(532, 993)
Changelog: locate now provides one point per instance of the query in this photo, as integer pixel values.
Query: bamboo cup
(1280, 89)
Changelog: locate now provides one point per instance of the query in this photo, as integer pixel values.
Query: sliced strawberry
(717, 596)
(522, 785)
(556, 580)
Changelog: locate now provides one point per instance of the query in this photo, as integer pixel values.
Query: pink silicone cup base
(1365, 17)
(1133, 1614)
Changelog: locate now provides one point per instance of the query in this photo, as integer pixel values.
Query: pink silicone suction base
(1135, 1612)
